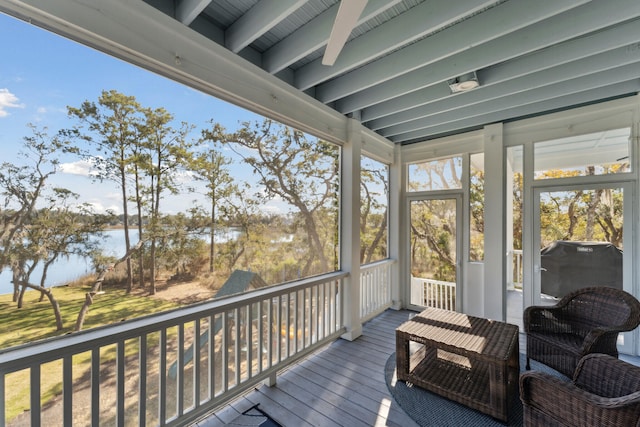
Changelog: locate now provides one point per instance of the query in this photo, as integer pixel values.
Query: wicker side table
(468, 359)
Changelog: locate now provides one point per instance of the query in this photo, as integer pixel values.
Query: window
(374, 202)
(476, 207)
(599, 153)
(442, 174)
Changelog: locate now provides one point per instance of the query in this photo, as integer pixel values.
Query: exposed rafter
(257, 21)
(393, 71)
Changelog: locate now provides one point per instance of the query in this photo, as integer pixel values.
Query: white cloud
(81, 167)
(183, 176)
(271, 208)
(98, 207)
(8, 100)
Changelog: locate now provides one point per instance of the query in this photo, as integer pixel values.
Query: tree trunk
(54, 303)
(98, 284)
(212, 233)
(139, 213)
(23, 289)
(376, 240)
(152, 267)
(45, 270)
(125, 221)
(16, 287)
(316, 245)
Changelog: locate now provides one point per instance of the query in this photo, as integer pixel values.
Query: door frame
(457, 195)
(626, 345)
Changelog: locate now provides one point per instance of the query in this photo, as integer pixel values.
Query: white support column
(635, 165)
(350, 229)
(494, 224)
(396, 196)
(508, 217)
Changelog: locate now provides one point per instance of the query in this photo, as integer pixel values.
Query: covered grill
(568, 266)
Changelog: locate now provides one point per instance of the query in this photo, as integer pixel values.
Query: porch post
(350, 229)
(494, 224)
(395, 227)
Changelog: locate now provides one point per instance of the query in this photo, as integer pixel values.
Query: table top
(461, 332)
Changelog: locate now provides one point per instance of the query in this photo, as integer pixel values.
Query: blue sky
(42, 73)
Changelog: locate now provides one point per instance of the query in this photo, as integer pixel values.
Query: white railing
(142, 372)
(433, 293)
(375, 288)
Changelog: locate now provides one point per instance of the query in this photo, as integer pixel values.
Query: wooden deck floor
(341, 384)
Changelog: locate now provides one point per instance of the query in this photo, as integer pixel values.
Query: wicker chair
(585, 321)
(605, 391)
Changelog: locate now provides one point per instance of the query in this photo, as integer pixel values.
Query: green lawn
(36, 321)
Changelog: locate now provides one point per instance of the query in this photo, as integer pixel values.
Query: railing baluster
(67, 390)
(95, 386)
(316, 314)
(224, 353)
(259, 353)
(295, 311)
(120, 381)
(306, 322)
(327, 309)
(334, 312)
(236, 345)
(3, 397)
(35, 395)
(196, 363)
(180, 361)
(287, 332)
(270, 329)
(142, 381)
(339, 314)
(162, 378)
(279, 328)
(211, 359)
(248, 340)
(331, 308)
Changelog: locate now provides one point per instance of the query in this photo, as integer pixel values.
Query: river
(68, 269)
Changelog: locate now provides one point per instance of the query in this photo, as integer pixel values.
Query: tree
(433, 225)
(589, 215)
(60, 229)
(113, 127)
(102, 265)
(210, 167)
(181, 246)
(22, 186)
(476, 210)
(40, 224)
(243, 213)
(373, 213)
(298, 171)
(166, 154)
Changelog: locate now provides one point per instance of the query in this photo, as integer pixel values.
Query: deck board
(341, 384)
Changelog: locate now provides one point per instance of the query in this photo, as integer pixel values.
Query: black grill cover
(569, 266)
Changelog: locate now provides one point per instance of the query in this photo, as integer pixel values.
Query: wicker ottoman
(468, 359)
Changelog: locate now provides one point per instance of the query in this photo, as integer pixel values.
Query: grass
(35, 321)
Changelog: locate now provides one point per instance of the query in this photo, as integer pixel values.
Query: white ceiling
(530, 57)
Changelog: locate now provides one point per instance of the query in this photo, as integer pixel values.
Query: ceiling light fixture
(464, 82)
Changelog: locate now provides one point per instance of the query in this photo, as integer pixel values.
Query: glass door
(434, 251)
(581, 234)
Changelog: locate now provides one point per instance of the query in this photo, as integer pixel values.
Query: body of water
(69, 269)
